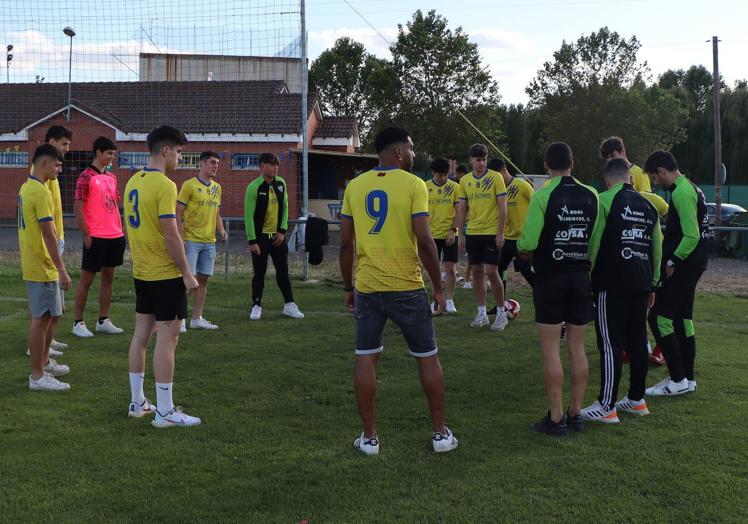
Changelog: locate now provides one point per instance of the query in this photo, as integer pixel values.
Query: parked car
(728, 210)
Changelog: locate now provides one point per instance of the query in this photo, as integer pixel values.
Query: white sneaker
(47, 383)
(52, 352)
(467, 285)
(256, 313)
(691, 385)
(56, 344)
(292, 310)
(175, 417)
(635, 407)
(183, 327)
(480, 320)
(55, 369)
(106, 326)
(201, 323)
(80, 330)
(451, 307)
(367, 446)
(667, 387)
(501, 321)
(598, 413)
(140, 410)
(444, 443)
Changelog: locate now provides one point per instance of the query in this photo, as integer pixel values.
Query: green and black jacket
(685, 234)
(256, 205)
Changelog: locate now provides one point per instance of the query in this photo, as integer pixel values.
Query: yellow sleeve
(499, 186)
(641, 181)
(461, 190)
(167, 200)
(41, 205)
(420, 202)
(185, 193)
(347, 211)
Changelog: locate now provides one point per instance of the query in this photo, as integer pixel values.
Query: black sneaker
(575, 423)
(547, 426)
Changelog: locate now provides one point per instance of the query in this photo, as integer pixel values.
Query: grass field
(279, 416)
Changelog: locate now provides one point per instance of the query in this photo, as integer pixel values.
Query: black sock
(78, 321)
(689, 356)
(102, 319)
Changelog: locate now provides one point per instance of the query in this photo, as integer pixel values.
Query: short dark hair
(440, 165)
(58, 133)
(269, 158)
(610, 145)
(461, 168)
(205, 155)
(496, 164)
(165, 136)
(388, 136)
(558, 156)
(660, 158)
(103, 144)
(616, 167)
(478, 151)
(46, 151)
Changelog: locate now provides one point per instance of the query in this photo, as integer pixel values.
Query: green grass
(279, 416)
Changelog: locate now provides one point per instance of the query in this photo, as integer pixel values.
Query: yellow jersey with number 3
(34, 207)
(442, 201)
(481, 193)
(201, 202)
(150, 196)
(382, 204)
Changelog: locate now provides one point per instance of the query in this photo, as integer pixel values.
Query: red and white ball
(512, 309)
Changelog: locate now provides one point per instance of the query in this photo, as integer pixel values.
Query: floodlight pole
(304, 125)
(69, 32)
(717, 134)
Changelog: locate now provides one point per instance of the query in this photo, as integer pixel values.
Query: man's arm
(685, 202)
(533, 226)
(219, 223)
(501, 202)
(175, 248)
(597, 232)
(53, 247)
(347, 243)
(81, 194)
(429, 258)
(656, 253)
(283, 224)
(250, 202)
(180, 215)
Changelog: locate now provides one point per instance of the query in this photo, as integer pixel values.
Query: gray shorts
(411, 312)
(44, 298)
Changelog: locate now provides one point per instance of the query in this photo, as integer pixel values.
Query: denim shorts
(201, 257)
(408, 309)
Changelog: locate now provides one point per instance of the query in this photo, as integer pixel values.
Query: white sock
(164, 402)
(481, 310)
(136, 388)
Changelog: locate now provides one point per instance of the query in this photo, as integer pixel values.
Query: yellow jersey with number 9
(150, 196)
(382, 204)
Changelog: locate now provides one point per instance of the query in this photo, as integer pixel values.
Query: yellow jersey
(201, 201)
(640, 180)
(442, 201)
(150, 196)
(481, 193)
(382, 204)
(518, 194)
(54, 188)
(35, 207)
(270, 225)
(658, 202)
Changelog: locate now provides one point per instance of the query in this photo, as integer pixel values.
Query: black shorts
(444, 252)
(104, 252)
(563, 297)
(675, 296)
(164, 299)
(482, 249)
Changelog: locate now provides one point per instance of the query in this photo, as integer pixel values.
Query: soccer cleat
(47, 383)
(292, 310)
(55, 369)
(547, 426)
(443, 443)
(256, 313)
(106, 326)
(467, 285)
(80, 330)
(140, 410)
(52, 352)
(635, 407)
(451, 307)
(367, 446)
(183, 326)
(201, 323)
(500, 322)
(174, 418)
(692, 385)
(657, 358)
(575, 423)
(56, 344)
(668, 387)
(598, 413)
(480, 320)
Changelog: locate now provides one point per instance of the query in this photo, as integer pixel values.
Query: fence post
(227, 227)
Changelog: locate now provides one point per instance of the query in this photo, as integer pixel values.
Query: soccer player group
(586, 256)
(172, 239)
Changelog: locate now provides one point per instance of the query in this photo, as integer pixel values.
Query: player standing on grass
(266, 223)
(483, 201)
(161, 274)
(460, 171)
(97, 215)
(626, 272)
(562, 232)
(384, 221)
(198, 216)
(442, 202)
(684, 256)
(42, 266)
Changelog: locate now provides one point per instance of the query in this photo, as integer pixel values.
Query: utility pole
(717, 134)
(304, 125)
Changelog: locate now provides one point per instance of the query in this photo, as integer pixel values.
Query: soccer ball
(512, 309)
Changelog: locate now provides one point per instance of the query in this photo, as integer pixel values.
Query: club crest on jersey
(631, 215)
(280, 189)
(448, 190)
(485, 183)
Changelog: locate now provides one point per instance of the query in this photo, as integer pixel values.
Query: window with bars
(245, 161)
(133, 159)
(14, 159)
(190, 161)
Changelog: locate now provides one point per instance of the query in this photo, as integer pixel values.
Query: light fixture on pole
(8, 60)
(69, 32)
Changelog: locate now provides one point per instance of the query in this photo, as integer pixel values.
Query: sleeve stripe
(183, 203)
(463, 198)
(343, 215)
(167, 216)
(501, 194)
(422, 214)
(45, 219)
